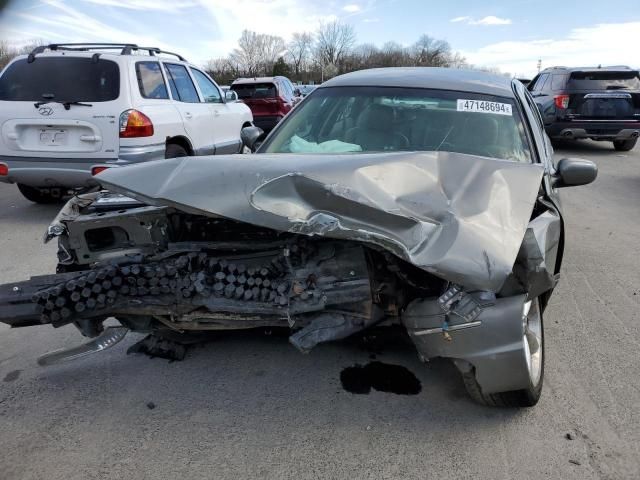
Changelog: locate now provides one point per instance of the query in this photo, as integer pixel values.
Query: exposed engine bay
(156, 268)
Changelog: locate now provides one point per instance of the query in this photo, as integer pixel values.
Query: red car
(269, 98)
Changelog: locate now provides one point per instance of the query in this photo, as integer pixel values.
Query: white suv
(67, 111)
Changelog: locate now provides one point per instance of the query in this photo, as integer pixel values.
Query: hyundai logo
(46, 111)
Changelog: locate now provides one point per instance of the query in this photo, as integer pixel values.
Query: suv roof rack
(125, 49)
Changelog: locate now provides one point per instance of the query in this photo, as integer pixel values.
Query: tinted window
(288, 88)
(150, 80)
(558, 81)
(540, 82)
(371, 119)
(605, 80)
(66, 78)
(209, 91)
(254, 90)
(182, 88)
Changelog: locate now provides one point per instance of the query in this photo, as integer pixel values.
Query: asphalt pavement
(250, 406)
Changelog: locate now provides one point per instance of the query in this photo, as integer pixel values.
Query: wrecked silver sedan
(424, 198)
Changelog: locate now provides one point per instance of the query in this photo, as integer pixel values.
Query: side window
(151, 81)
(182, 88)
(540, 85)
(537, 86)
(209, 91)
(285, 91)
(558, 82)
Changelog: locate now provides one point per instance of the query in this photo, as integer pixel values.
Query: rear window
(66, 78)
(605, 80)
(151, 81)
(255, 90)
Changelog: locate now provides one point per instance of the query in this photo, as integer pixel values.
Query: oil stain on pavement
(11, 376)
(383, 377)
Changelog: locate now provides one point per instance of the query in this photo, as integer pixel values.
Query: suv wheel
(174, 151)
(40, 195)
(624, 145)
(534, 350)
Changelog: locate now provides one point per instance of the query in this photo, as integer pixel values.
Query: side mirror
(297, 92)
(231, 96)
(572, 172)
(250, 137)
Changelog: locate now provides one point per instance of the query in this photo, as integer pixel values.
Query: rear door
(604, 95)
(38, 117)
(197, 117)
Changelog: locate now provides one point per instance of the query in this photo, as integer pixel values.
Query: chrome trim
(608, 95)
(451, 328)
(110, 337)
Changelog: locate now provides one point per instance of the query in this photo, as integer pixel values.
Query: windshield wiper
(66, 105)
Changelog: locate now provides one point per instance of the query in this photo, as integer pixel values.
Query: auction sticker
(483, 106)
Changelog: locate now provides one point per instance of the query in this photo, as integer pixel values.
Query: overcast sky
(510, 35)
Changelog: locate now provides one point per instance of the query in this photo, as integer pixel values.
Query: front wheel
(40, 195)
(533, 340)
(624, 145)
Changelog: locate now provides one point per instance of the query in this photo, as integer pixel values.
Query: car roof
(613, 68)
(114, 56)
(256, 80)
(426, 77)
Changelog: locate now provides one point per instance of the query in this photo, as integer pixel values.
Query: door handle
(90, 138)
(187, 115)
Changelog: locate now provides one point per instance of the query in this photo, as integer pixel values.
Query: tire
(624, 145)
(38, 195)
(174, 151)
(527, 397)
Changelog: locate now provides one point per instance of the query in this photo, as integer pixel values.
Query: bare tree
(458, 61)
(271, 48)
(333, 41)
(329, 52)
(247, 55)
(256, 53)
(431, 52)
(299, 50)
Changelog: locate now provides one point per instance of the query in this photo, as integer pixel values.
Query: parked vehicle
(416, 197)
(524, 81)
(68, 110)
(306, 89)
(269, 98)
(600, 103)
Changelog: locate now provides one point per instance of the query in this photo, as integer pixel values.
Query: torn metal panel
(492, 343)
(533, 271)
(460, 217)
(68, 213)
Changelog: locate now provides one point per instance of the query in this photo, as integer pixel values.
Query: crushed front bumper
(493, 343)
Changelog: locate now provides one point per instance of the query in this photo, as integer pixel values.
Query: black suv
(597, 103)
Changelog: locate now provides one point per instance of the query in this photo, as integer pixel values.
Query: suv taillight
(135, 124)
(562, 101)
(4, 170)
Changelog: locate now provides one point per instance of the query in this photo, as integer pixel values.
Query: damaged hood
(460, 217)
